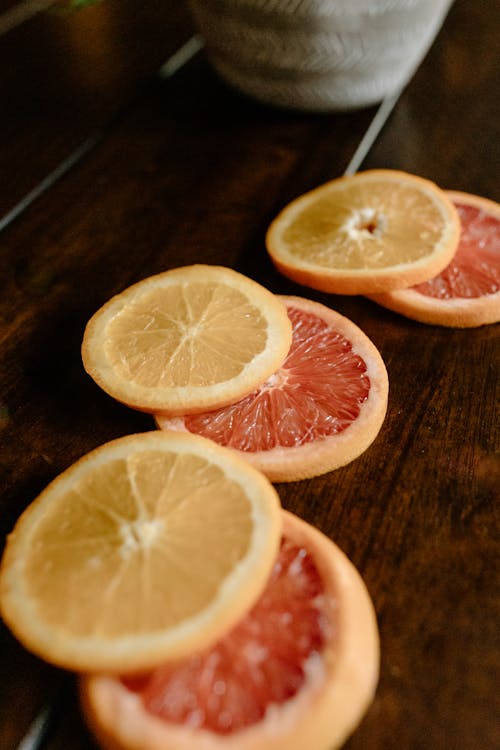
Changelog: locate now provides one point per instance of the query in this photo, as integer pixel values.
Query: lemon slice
(147, 548)
(374, 231)
(186, 340)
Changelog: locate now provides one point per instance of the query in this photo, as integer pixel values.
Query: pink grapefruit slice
(319, 411)
(467, 293)
(297, 672)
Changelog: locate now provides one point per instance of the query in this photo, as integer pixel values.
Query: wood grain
(192, 172)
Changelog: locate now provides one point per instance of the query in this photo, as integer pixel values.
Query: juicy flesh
(318, 392)
(128, 525)
(262, 661)
(186, 335)
(368, 226)
(475, 268)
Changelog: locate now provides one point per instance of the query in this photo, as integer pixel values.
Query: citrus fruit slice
(298, 672)
(365, 233)
(147, 547)
(467, 293)
(185, 340)
(322, 409)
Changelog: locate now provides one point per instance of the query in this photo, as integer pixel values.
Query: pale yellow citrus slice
(297, 673)
(365, 233)
(319, 411)
(185, 340)
(148, 547)
(467, 293)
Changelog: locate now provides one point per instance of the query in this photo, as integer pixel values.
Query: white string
(168, 69)
(37, 732)
(181, 57)
(369, 138)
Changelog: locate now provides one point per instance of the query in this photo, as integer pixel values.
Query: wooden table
(111, 172)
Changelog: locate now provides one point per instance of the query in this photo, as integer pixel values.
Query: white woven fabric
(318, 54)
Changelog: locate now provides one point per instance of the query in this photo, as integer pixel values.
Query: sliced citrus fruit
(322, 409)
(467, 293)
(298, 672)
(145, 548)
(365, 233)
(185, 340)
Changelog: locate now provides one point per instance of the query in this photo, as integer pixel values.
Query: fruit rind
(132, 652)
(371, 280)
(459, 313)
(186, 399)
(453, 313)
(321, 456)
(318, 719)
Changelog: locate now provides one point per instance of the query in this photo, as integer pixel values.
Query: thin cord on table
(371, 134)
(167, 70)
(38, 729)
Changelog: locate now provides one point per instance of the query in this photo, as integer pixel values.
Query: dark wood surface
(183, 170)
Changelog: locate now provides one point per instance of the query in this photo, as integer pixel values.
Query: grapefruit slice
(322, 409)
(365, 233)
(467, 293)
(146, 548)
(186, 340)
(298, 672)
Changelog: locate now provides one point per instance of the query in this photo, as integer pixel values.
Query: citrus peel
(338, 687)
(370, 232)
(146, 548)
(319, 411)
(466, 294)
(185, 340)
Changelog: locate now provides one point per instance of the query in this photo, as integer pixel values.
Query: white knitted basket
(318, 54)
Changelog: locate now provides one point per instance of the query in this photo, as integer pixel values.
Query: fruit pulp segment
(262, 661)
(318, 392)
(192, 334)
(366, 226)
(475, 268)
(124, 527)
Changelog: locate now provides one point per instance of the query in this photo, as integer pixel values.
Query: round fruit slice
(322, 409)
(365, 233)
(467, 293)
(186, 340)
(297, 672)
(146, 548)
